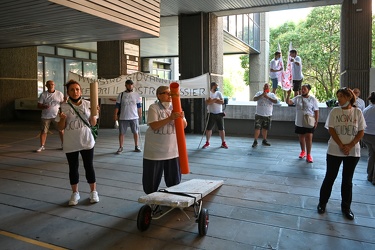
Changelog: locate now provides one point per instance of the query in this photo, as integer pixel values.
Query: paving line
(31, 241)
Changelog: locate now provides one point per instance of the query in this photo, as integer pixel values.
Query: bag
(94, 131)
(308, 121)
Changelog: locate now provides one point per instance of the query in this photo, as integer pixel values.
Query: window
(54, 63)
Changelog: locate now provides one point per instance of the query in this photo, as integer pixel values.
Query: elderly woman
(346, 126)
(78, 140)
(369, 137)
(161, 151)
(305, 104)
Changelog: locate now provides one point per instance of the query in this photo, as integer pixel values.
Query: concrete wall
(18, 78)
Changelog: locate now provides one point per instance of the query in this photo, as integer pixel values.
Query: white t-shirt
(264, 106)
(215, 108)
(77, 136)
(275, 64)
(360, 104)
(297, 69)
(129, 110)
(160, 144)
(347, 123)
(53, 100)
(308, 106)
(369, 115)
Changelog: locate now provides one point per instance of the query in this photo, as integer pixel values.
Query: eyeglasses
(162, 93)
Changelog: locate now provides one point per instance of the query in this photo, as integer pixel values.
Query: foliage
(228, 88)
(245, 65)
(317, 40)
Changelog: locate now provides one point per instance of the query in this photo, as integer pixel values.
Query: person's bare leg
(43, 138)
(264, 134)
(121, 140)
(302, 142)
(208, 135)
(135, 135)
(308, 142)
(92, 186)
(256, 134)
(222, 135)
(61, 134)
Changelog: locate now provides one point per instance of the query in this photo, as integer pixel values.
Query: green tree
(245, 65)
(317, 40)
(228, 88)
(320, 47)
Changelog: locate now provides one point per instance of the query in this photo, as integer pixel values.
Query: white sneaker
(74, 199)
(40, 149)
(94, 198)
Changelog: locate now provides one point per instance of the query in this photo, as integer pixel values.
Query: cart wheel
(144, 218)
(203, 221)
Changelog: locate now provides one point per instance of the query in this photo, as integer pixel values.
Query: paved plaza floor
(268, 199)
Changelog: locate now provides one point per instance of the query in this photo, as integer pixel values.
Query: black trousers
(88, 158)
(153, 172)
(333, 166)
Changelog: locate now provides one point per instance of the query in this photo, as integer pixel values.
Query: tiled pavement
(268, 200)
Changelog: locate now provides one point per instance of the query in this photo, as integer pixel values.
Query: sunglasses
(162, 93)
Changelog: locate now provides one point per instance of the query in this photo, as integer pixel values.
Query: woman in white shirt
(346, 126)
(78, 139)
(161, 151)
(369, 137)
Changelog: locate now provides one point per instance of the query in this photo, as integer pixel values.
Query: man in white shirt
(49, 102)
(216, 116)
(263, 113)
(296, 72)
(276, 66)
(360, 103)
(128, 111)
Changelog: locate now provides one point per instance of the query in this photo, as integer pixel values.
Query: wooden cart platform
(183, 195)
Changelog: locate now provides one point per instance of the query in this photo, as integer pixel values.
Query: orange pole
(179, 125)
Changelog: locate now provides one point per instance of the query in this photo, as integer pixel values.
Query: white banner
(145, 85)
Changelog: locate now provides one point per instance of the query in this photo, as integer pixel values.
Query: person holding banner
(78, 140)
(215, 109)
(276, 66)
(161, 150)
(128, 111)
(296, 72)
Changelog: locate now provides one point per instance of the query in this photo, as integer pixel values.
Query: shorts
(45, 124)
(302, 130)
(275, 83)
(262, 122)
(297, 85)
(215, 118)
(124, 124)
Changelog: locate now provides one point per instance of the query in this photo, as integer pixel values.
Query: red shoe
(206, 145)
(302, 154)
(224, 145)
(309, 159)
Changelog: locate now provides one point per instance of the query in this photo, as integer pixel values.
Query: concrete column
(18, 78)
(200, 51)
(113, 61)
(356, 39)
(259, 63)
